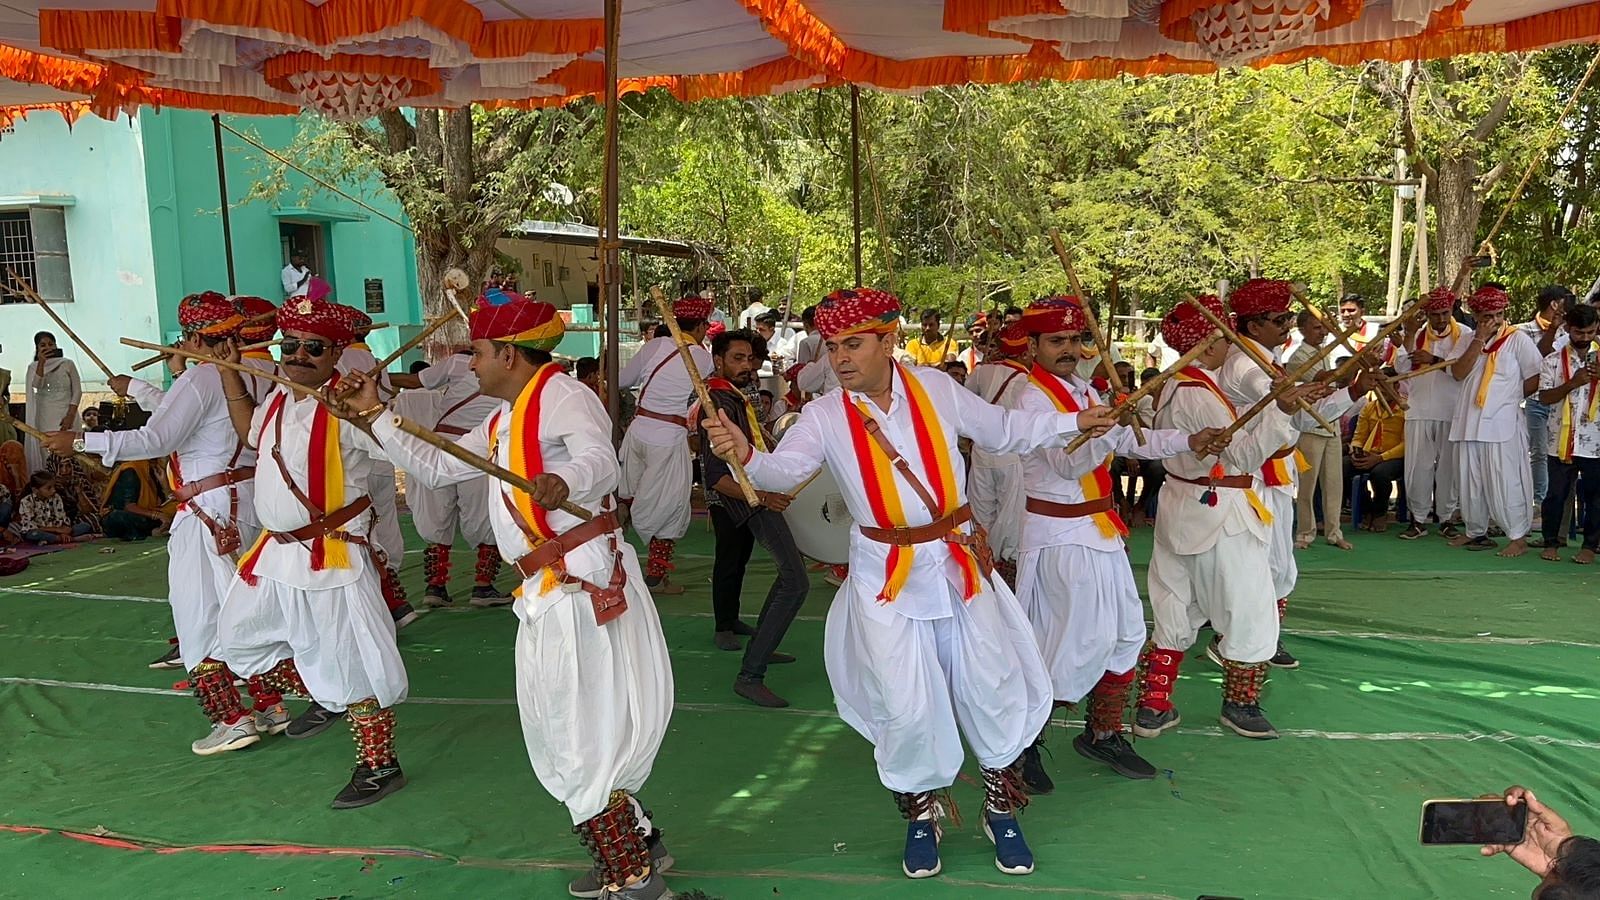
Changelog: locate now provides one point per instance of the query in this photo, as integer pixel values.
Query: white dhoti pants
(1086, 614)
(594, 700)
(197, 580)
(1496, 485)
(1432, 471)
(341, 639)
(440, 513)
(1227, 585)
(385, 502)
(916, 687)
(657, 478)
(994, 489)
(1280, 546)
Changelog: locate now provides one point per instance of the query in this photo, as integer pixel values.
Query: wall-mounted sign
(373, 288)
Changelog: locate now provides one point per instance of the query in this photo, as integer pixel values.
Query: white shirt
(1585, 430)
(1055, 475)
(1534, 330)
(296, 281)
(1496, 421)
(1245, 383)
(995, 384)
(817, 377)
(462, 407)
(666, 387)
(1087, 367)
(1433, 396)
(809, 348)
(821, 436)
(191, 421)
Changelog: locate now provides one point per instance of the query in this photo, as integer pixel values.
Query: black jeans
(1380, 483)
(1586, 472)
(788, 592)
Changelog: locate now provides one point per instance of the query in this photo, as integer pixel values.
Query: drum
(818, 517)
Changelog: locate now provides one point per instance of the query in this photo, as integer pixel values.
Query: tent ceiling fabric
(351, 58)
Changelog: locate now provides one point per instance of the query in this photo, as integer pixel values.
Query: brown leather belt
(921, 534)
(327, 525)
(1227, 481)
(680, 421)
(1068, 510)
(550, 552)
(1281, 454)
(451, 430)
(224, 478)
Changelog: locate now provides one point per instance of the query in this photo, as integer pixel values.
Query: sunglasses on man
(313, 348)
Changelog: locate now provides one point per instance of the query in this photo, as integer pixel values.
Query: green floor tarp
(1430, 672)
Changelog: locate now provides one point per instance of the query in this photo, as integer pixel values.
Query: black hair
(1357, 299)
(766, 393)
(1013, 310)
(1582, 317)
(687, 325)
(536, 357)
(38, 480)
(418, 366)
(768, 318)
(1305, 318)
(721, 343)
(1552, 293)
(39, 336)
(1575, 872)
(955, 364)
(1148, 374)
(756, 294)
(930, 311)
(808, 315)
(587, 365)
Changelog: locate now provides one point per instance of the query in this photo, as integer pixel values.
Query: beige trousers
(1327, 468)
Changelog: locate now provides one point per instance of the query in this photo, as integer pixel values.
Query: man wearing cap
(1074, 579)
(306, 609)
(1431, 465)
(594, 682)
(994, 485)
(212, 474)
(1261, 316)
(657, 472)
(1211, 560)
(1499, 367)
(923, 647)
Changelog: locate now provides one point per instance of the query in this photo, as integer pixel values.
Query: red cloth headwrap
(1013, 340)
(333, 321)
(857, 311)
(515, 319)
(1488, 300)
(691, 307)
(208, 313)
(1053, 314)
(1440, 299)
(1261, 297)
(262, 329)
(1185, 327)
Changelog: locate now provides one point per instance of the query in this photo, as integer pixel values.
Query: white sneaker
(225, 737)
(273, 721)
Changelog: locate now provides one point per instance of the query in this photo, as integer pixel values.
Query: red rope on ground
(123, 843)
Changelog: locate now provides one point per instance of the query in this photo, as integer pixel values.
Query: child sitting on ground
(42, 517)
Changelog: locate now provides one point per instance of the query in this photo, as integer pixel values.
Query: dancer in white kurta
(1210, 560)
(1261, 310)
(53, 393)
(1431, 470)
(212, 475)
(994, 484)
(923, 648)
(1073, 579)
(594, 683)
(306, 609)
(1499, 367)
(657, 470)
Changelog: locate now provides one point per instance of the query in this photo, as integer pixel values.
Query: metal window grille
(16, 251)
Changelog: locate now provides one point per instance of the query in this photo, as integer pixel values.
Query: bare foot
(1302, 543)
(1584, 557)
(1459, 540)
(1551, 554)
(1514, 549)
(1341, 543)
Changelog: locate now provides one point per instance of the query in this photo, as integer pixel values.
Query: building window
(33, 245)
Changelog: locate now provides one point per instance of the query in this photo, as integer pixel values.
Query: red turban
(691, 307)
(857, 311)
(1440, 299)
(264, 327)
(1014, 340)
(714, 329)
(1185, 327)
(1261, 297)
(1488, 300)
(319, 317)
(209, 313)
(1053, 314)
(511, 318)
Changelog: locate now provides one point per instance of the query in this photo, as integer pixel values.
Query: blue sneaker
(922, 849)
(1011, 853)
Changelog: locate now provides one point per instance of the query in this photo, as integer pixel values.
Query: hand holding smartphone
(1482, 822)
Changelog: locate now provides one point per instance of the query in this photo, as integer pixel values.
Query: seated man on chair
(1377, 450)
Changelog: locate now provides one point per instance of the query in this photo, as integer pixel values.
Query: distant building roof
(588, 236)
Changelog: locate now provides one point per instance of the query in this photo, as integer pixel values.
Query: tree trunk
(437, 253)
(1459, 209)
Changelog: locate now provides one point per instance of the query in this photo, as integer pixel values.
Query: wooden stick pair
(40, 436)
(26, 290)
(149, 361)
(1254, 352)
(1153, 383)
(1431, 367)
(1294, 378)
(1094, 326)
(1384, 385)
(409, 427)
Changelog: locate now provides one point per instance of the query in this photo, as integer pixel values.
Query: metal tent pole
(610, 264)
(222, 191)
(855, 176)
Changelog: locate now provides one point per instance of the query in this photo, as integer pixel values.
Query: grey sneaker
(225, 737)
(273, 721)
(436, 596)
(1148, 723)
(1247, 720)
(587, 885)
(487, 595)
(654, 887)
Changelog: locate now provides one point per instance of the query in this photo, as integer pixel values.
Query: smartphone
(1473, 822)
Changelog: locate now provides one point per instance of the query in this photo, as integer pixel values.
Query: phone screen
(1473, 822)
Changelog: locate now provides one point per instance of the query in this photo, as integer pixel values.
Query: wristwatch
(78, 446)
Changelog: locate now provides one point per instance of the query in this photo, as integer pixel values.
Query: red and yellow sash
(325, 488)
(1568, 436)
(526, 458)
(1427, 337)
(1097, 484)
(1194, 376)
(1490, 354)
(723, 384)
(883, 494)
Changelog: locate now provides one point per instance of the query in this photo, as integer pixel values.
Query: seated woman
(78, 486)
(42, 517)
(135, 505)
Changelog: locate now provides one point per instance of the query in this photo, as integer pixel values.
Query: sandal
(1480, 543)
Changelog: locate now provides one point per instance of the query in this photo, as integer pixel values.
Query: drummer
(739, 527)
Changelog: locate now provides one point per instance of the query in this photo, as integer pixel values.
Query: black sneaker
(1414, 532)
(403, 615)
(587, 885)
(368, 785)
(1149, 723)
(1035, 780)
(486, 595)
(436, 596)
(1450, 531)
(172, 659)
(1283, 659)
(1247, 720)
(314, 721)
(1115, 751)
